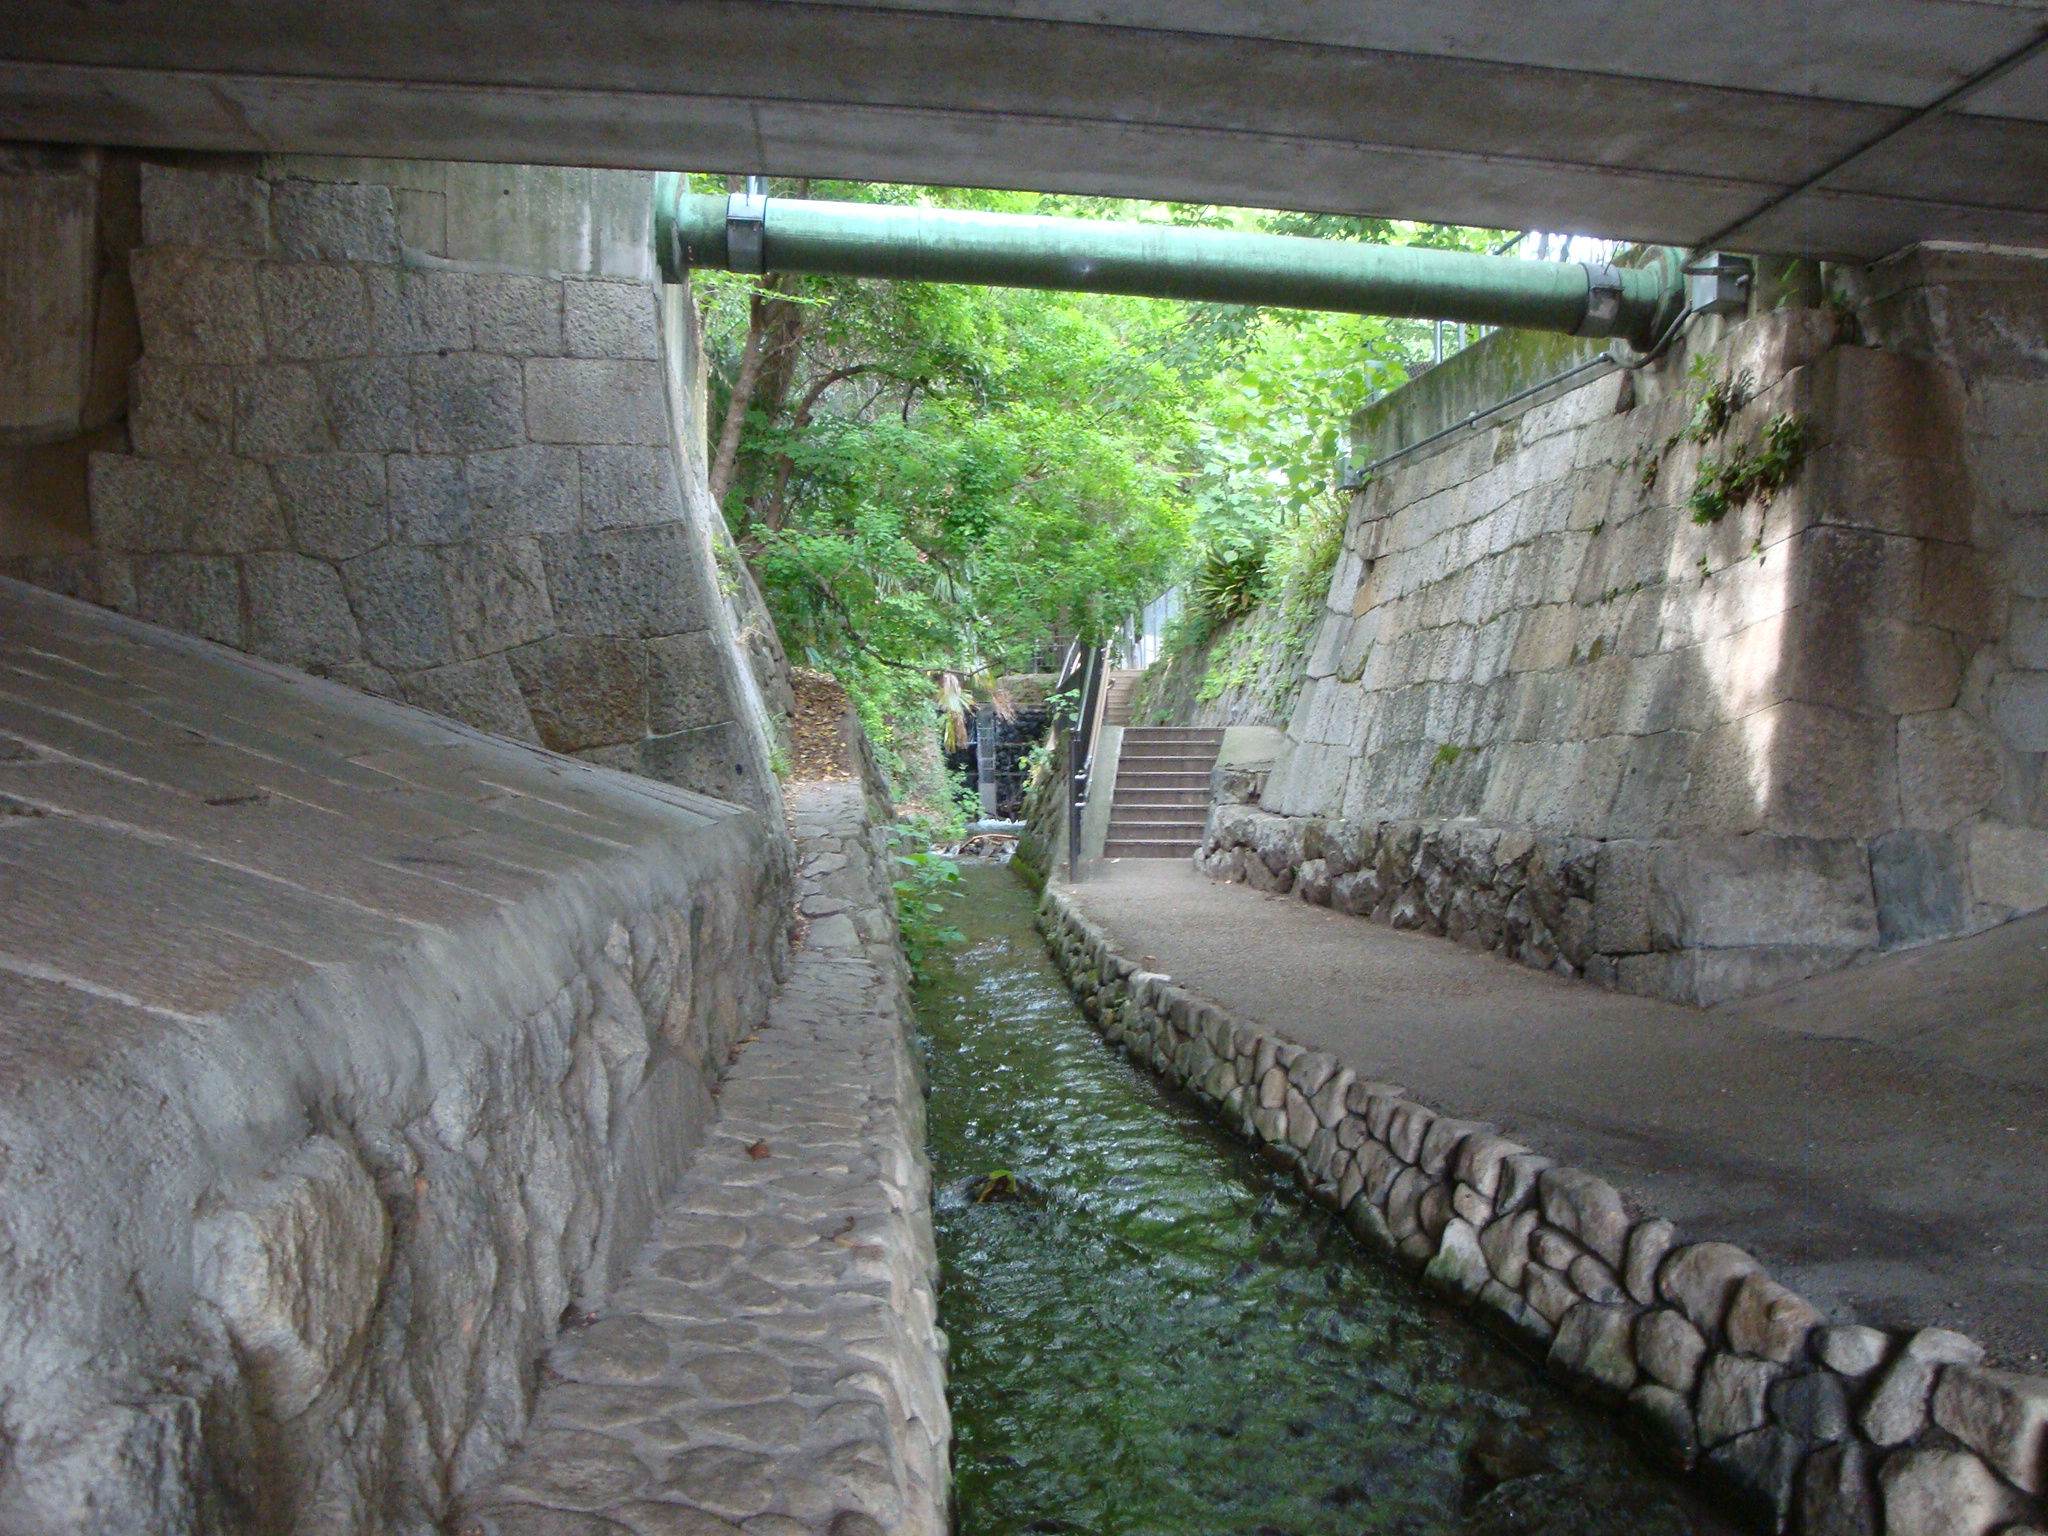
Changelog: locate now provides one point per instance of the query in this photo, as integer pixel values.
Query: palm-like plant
(1231, 580)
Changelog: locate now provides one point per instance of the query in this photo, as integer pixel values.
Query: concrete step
(1165, 837)
(1173, 778)
(1148, 850)
(1122, 828)
(1175, 733)
(1116, 696)
(1127, 798)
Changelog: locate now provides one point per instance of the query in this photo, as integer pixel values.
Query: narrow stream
(1169, 1339)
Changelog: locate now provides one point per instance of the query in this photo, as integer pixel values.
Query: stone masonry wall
(1548, 713)
(774, 1364)
(452, 480)
(1978, 319)
(1807, 1423)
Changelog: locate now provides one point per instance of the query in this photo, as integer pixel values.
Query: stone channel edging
(1808, 1425)
(773, 1364)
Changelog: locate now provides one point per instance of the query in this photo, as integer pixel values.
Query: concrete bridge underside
(1823, 127)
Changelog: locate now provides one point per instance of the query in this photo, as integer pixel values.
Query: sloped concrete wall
(1550, 714)
(425, 429)
(345, 1055)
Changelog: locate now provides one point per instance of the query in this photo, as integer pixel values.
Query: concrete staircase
(1116, 696)
(1161, 800)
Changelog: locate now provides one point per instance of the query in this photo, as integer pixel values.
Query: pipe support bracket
(1603, 299)
(746, 232)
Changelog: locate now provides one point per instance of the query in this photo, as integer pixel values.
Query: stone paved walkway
(1890, 1171)
(772, 1365)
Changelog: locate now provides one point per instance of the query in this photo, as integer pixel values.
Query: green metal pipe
(935, 245)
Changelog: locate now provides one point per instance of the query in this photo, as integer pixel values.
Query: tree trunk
(782, 334)
(727, 458)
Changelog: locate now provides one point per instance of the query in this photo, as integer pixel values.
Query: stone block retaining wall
(1526, 897)
(463, 480)
(1980, 317)
(1741, 753)
(1807, 1423)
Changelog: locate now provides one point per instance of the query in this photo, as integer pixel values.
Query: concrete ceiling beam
(1654, 121)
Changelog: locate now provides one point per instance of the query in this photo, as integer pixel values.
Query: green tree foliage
(930, 477)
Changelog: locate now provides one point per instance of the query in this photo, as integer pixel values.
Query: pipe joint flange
(746, 232)
(1603, 299)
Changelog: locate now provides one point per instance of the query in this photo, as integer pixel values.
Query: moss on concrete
(1476, 379)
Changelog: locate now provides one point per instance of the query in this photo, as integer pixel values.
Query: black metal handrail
(1081, 750)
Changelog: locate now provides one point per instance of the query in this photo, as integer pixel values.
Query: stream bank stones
(1803, 1422)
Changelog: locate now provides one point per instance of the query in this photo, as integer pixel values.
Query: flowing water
(1163, 1336)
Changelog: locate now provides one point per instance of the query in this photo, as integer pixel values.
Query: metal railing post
(1077, 789)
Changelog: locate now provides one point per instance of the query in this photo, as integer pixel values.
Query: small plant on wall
(1719, 401)
(1753, 472)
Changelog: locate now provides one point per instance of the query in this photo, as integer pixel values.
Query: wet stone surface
(1170, 1339)
(771, 1365)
